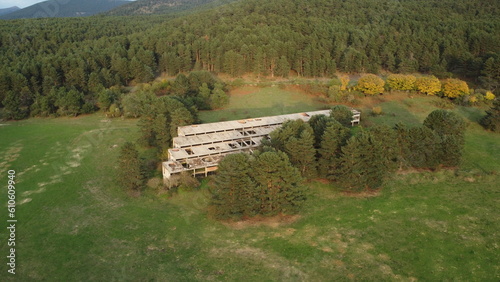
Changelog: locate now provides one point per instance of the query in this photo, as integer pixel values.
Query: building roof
(223, 126)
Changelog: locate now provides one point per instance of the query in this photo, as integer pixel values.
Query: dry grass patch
(274, 222)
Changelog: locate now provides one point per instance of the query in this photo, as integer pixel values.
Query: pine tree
(334, 137)
(450, 127)
(492, 119)
(342, 114)
(130, 171)
(219, 98)
(278, 183)
(319, 123)
(387, 138)
(301, 152)
(362, 163)
(160, 131)
(423, 148)
(234, 193)
(12, 106)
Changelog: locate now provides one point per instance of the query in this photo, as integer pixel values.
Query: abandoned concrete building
(199, 147)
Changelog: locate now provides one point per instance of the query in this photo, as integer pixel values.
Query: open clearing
(76, 224)
(251, 101)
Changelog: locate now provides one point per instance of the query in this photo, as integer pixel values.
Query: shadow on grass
(472, 114)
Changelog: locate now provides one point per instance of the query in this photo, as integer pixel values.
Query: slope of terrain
(149, 7)
(8, 10)
(58, 9)
(75, 223)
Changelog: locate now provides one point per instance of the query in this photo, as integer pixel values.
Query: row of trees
(199, 89)
(371, 84)
(326, 147)
(249, 185)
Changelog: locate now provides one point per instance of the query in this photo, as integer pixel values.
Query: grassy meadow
(251, 101)
(76, 224)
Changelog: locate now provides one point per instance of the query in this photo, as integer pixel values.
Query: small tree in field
(371, 84)
(130, 168)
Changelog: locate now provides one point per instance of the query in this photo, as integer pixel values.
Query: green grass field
(247, 102)
(76, 224)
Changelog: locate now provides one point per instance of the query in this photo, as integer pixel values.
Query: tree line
(43, 59)
(269, 182)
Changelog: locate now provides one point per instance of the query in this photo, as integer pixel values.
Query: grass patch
(248, 102)
(80, 225)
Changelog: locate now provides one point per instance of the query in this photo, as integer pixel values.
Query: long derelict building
(199, 147)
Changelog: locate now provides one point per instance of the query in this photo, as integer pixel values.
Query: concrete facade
(199, 147)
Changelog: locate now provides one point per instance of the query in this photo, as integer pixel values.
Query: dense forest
(43, 59)
(154, 7)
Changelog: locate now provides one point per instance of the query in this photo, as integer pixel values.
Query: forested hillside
(60, 9)
(8, 10)
(150, 7)
(271, 38)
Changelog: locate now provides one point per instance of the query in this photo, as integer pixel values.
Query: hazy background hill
(8, 10)
(74, 8)
(149, 7)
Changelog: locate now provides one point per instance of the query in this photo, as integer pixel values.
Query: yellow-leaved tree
(489, 96)
(401, 81)
(344, 81)
(371, 84)
(429, 85)
(453, 88)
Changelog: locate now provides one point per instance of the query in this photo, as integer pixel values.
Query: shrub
(371, 84)
(401, 82)
(376, 111)
(453, 88)
(429, 85)
(489, 96)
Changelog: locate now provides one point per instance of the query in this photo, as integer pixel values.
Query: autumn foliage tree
(401, 82)
(453, 88)
(370, 84)
(429, 85)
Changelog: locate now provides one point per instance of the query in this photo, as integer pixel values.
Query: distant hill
(9, 10)
(73, 8)
(149, 7)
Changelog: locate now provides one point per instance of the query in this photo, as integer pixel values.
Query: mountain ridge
(72, 8)
(9, 10)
